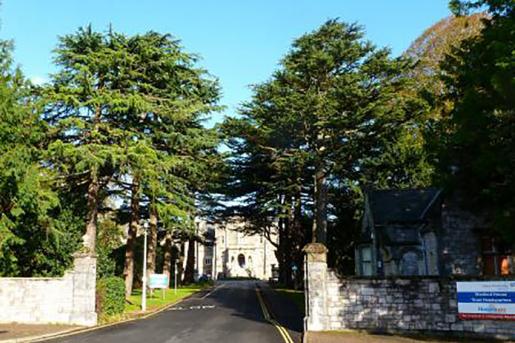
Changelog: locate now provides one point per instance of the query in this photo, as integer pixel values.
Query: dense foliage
(110, 296)
(430, 49)
(340, 115)
(333, 118)
(116, 138)
(124, 115)
(475, 144)
(38, 231)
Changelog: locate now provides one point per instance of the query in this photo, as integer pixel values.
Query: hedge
(110, 295)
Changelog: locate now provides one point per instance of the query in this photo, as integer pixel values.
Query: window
(366, 260)
(496, 257)
(208, 261)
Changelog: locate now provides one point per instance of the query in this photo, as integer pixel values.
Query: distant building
(229, 252)
(415, 232)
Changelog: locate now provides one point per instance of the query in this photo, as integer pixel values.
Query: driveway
(230, 313)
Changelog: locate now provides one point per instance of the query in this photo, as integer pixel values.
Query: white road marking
(214, 290)
(197, 307)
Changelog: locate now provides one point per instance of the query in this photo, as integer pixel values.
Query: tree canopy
(119, 124)
(475, 154)
(117, 138)
(322, 127)
(38, 231)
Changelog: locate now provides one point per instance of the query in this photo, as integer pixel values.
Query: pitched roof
(401, 206)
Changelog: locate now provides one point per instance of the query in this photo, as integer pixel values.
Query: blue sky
(240, 41)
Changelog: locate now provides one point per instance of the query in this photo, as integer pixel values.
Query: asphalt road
(230, 313)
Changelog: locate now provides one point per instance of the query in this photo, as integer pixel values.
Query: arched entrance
(241, 261)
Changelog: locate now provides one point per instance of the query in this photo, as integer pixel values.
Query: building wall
(221, 259)
(390, 305)
(460, 246)
(66, 300)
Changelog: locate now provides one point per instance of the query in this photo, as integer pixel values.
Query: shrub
(106, 265)
(110, 295)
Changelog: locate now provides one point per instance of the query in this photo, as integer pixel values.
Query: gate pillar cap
(316, 252)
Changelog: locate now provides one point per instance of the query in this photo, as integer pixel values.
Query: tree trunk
(128, 270)
(320, 202)
(89, 238)
(284, 253)
(280, 252)
(167, 259)
(298, 241)
(190, 263)
(288, 260)
(152, 240)
(180, 262)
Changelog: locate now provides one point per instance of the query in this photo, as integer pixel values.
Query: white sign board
(486, 300)
(158, 281)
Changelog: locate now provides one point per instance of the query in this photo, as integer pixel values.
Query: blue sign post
(158, 281)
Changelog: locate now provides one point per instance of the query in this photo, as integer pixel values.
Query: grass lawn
(296, 296)
(156, 300)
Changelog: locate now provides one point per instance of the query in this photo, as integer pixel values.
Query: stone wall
(389, 305)
(66, 300)
(459, 243)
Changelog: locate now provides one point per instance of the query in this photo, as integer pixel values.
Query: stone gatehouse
(414, 247)
(394, 304)
(420, 233)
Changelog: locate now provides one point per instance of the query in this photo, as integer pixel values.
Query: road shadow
(241, 298)
(284, 310)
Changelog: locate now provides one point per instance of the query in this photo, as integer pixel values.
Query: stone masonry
(66, 300)
(424, 304)
(459, 244)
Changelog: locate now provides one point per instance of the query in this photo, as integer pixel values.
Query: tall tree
(476, 153)
(32, 239)
(82, 105)
(321, 126)
(335, 98)
(431, 47)
(183, 95)
(126, 113)
(346, 97)
(38, 225)
(265, 181)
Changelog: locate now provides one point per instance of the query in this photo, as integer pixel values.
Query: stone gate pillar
(84, 276)
(315, 287)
